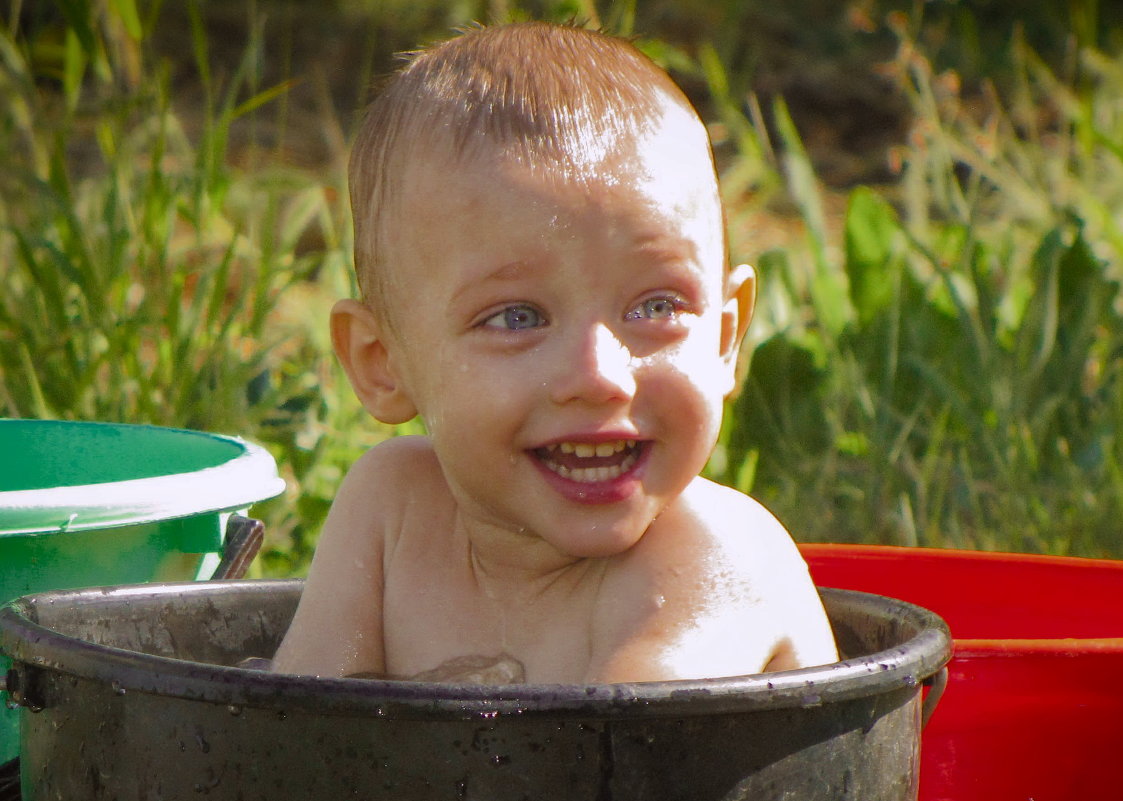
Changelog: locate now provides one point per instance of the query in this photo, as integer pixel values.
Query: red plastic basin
(1033, 709)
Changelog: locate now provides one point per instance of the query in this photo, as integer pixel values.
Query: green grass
(145, 278)
(954, 376)
(939, 364)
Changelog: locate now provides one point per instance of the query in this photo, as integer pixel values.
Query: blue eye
(659, 308)
(516, 318)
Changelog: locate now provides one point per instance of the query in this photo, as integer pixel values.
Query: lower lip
(613, 490)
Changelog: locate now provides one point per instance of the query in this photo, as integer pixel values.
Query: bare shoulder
(398, 463)
(734, 594)
(758, 556)
(375, 492)
(739, 532)
(337, 629)
(733, 547)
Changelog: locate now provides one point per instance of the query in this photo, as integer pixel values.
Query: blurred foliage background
(931, 192)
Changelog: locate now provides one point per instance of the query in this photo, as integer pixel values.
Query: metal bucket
(128, 693)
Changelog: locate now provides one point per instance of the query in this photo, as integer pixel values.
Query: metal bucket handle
(935, 686)
(244, 536)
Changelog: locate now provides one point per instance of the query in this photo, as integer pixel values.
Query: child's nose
(600, 370)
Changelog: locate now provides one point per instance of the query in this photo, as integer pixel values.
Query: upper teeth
(585, 450)
(599, 471)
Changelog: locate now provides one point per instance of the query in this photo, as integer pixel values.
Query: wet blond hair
(548, 95)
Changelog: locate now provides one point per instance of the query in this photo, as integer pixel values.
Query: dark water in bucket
(136, 699)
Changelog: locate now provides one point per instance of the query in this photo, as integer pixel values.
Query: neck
(516, 567)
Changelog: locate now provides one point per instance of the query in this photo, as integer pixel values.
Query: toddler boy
(541, 253)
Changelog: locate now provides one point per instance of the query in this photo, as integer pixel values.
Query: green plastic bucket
(89, 504)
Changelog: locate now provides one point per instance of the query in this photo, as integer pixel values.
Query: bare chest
(442, 628)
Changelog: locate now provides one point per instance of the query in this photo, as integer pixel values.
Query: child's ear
(360, 344)
(740, 299)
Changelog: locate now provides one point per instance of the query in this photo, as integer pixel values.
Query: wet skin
(568, 337)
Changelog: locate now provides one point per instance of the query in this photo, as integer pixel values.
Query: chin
(601, 547)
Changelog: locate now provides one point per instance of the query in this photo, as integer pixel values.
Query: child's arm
(716, 588)
(337, 630)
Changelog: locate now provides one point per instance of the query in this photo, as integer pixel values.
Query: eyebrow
(661, 247)
(505, 273)
(664, 248)
(511, 271)
(667, 247)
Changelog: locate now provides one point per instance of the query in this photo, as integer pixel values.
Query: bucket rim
(247, 478)
(38, 647)
(871, 553)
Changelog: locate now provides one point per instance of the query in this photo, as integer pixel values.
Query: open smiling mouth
(588, 462)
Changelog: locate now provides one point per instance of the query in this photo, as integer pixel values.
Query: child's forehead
(663, 164)
(655, 198)
(500, 206)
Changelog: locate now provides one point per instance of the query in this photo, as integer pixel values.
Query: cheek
(698, 355)
(686, 386)
(693, 379)
(466, 396)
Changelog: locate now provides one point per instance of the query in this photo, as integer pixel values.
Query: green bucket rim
(247, 478)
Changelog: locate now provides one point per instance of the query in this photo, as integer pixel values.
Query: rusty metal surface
(139, 700)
